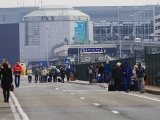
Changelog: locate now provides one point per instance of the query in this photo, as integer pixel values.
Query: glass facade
(32, 34)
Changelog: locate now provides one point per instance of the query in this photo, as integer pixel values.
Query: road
(66, 101)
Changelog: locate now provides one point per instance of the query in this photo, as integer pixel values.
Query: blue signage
(67, 61)
(93, 50)
(80, 31)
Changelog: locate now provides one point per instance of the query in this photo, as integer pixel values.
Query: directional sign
(67, 61)
(93, 50)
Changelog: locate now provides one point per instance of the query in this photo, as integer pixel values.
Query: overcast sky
(15, 3)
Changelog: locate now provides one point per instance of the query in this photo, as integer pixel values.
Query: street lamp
(47, 44)
(78, 46)
(148, 21)
(119, 36)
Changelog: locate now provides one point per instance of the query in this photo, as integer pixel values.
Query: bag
(49, 80)
(134, 77)
(111, 85)
(94, 80)
(12, 87)
(59, 79)
(90, 71)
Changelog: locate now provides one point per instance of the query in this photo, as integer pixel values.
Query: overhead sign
(93, 50)
(66, 61)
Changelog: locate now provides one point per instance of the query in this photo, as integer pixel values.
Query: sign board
(67, 61)
(93, 50)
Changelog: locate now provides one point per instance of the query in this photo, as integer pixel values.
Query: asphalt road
(66, 101)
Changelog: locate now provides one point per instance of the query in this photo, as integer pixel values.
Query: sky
(21, 3)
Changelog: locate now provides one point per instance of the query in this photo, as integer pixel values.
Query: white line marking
(72, 93)
(82, 98)
(24, 116)
(115, 112)
(142, 96)
(16, 115)
(57, 88)
(63, 91)
(96, 104)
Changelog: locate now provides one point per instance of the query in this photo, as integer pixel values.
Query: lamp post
(148, 21)
(119, 36)
(78, 47)
(47, 44)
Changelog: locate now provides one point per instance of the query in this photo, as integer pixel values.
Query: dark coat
(6, 78)
(101, 70)
(116, 73)
(62, 73)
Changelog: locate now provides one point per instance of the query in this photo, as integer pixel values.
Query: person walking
(29, 73)
(62, 74)
(107, 68)
(44, 74)
(90, 73)
(6, 80)
(68, 72)
(117, 76)
(140, 72)
(17, 69)
(75, 73)
(55, 74)
(36, 73)
(134, 78)
(40, 75)
(101, 72)
(127, 73)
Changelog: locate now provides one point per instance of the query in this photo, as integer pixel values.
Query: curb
(101, 85)
(81, 83)
(152, 92)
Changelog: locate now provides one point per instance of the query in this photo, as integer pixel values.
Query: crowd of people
(120, 74)
(42, 74)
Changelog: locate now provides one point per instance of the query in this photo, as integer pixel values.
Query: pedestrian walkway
(149, 89)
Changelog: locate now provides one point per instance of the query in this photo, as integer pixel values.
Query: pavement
(77, 100)
(148, 89)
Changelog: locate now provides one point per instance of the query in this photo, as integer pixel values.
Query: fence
(82, 68)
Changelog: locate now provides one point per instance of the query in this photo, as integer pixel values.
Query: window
(32, 34)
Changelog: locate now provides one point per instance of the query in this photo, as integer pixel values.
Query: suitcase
(49, 80)
(59, 79)
(131, 88)
(71, 77)
(111, 85)
(94, 80)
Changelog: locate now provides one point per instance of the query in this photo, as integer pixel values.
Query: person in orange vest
(17, 69)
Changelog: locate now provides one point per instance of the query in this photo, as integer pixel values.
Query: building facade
(157, 24)
(51, 25)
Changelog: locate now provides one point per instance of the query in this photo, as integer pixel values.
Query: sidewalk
(149, 89)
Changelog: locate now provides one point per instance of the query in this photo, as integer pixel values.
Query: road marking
(115, 112)
(57, 88)
(142, 96)
(82, 98)
(24, 116)
(72, 93)
(96, 104)
(63, 91)
(14, 111)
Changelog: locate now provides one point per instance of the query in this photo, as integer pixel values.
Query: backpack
(90, 71)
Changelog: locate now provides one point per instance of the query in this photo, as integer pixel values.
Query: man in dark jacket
(108, 69)
(127, 73)
(140, 72)
(117, 76)
(68, 72)
(101, 72)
